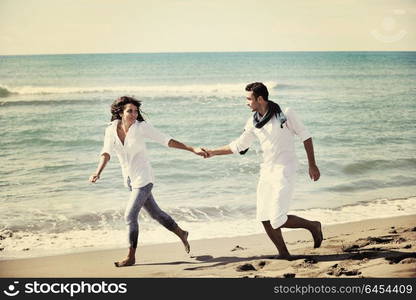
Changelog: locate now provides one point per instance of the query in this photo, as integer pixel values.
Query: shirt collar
(115, 123)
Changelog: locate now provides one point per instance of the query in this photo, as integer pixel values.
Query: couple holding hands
(275, 129)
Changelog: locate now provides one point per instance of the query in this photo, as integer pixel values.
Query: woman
(126, 136)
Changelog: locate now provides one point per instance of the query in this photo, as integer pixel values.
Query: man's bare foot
(125, 263)
(317, 234)
(184, 239)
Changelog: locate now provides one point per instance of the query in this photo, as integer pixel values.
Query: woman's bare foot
(317, 234)
(184, 239)
(125, 263)
(183, 235)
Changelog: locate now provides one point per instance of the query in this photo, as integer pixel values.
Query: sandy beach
(370, 248)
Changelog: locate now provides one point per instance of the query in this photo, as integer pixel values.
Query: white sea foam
(153, 90)
(26, 244)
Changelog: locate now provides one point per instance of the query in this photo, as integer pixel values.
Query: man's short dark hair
(258, 89)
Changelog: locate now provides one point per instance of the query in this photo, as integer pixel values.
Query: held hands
(200, 151)
(314, 173)
(205, 153)
(209, 153)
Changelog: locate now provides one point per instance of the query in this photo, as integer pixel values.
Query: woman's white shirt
(133, 158)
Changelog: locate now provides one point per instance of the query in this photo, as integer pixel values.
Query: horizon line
(196, 52)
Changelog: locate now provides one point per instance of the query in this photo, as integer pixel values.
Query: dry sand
(371, 248)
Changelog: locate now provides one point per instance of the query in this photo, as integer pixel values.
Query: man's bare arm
(314, 173)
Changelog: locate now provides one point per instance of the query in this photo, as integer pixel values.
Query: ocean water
(359, 106)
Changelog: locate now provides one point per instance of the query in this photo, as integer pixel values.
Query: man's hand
(200, 152)
(94, 178)
(314, 173)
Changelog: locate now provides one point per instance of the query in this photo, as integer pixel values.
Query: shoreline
(26, 244)
(382, 247)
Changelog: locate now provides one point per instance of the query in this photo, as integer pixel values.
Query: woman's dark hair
(118, 106)
(258, 89)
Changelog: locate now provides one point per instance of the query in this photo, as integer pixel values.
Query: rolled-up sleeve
(244, 141)
(108, 145)
(296, 126)
(154, 134)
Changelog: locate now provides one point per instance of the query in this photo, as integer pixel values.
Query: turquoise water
(359, 106)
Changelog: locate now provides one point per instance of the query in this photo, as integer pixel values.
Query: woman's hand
(94, 178)
(176, 144)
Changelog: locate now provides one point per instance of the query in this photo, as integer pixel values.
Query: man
(275, 130)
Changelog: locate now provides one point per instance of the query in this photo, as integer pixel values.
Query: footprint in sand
(380, 240)
(307, 263)
(400, 240)
(337, 270)
(310, 260)
(360, 243)
(409, 260)
(237, 248)
(262, 264)
(354, 247)
(398, 258)
(246, 267)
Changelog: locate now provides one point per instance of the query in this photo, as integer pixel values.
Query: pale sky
(120, 26)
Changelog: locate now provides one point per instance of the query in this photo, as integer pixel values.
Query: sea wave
(4, 92)
(282, 86)
(361, 167)
(57, 223)
(46, 102)
(370, 184)
(165, 90)
(35, 141)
